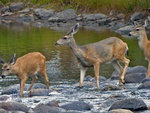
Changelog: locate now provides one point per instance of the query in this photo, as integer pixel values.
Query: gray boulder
(77, 105)
(125, 30)
(120, 111)
(5, 9)
(4, 98)
(137, 16)
(93, 17)
(16, 6)
(39, 85)
(43, 14)
(132, 104)
(39, 92)
(112, 88)
(137, 69)
(92, 79)
(131, 74)
(41, 108)
(25, 19)
(13, 89)
(3, 111)
(52, 103)
(145, 85)
(63, 16)
(146, 79)
(14, 106)
(134, 77)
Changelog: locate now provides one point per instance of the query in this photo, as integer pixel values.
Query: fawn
(27, 65)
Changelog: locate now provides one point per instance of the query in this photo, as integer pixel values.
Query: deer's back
(31, 62)
(106, 49)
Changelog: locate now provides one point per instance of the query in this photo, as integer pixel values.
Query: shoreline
(63, 20)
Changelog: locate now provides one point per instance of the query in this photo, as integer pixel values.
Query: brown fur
(144, 43)
(27, 65)
(108, 50)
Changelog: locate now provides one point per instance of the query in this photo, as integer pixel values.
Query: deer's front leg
(96, 70)
(82, 75)
(23, 81)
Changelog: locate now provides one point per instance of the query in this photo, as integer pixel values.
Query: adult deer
(108, 50)
(29, 64)
(143, 42)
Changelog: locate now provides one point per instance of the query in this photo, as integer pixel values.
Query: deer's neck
(15, 69)
(143, 40)
(76, 49)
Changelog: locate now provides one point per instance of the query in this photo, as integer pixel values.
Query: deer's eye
(8, 69)
(137, 29)
(65, 38)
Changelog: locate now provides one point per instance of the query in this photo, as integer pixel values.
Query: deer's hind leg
(44, 74)
(34, 78)
(148, 71)
(126, 62)
(118, 68)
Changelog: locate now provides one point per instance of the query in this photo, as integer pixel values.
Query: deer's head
(138, 30)
(68, 36)
(7, 67)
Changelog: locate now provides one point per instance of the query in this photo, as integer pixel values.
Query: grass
(91, 5)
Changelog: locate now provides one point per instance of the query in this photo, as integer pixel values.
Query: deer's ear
(145, 24)
(74, 30)
(13, 59)
(2, 61)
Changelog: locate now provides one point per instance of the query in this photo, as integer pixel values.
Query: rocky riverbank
(63, 20)
(68, 98)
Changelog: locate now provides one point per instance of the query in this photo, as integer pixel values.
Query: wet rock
(52, 103)
(16, 112)
(108, 103)
(39, 85)
(134, 77)
(43, 14)
(77, 105)
(13, 89)
(14, 106)
(27, 10)
(93, 17)
(115, 75)
(92, 79)
(25, 18)
(145, 85)
(63, 16)
(4, 98)
(46, 109)
(137, 16)
(137, 69)
(5, 9)
(39, 92)
(125, 30)
(117, 96)
(114, 25)
(16, 6)
(130, 70)
(146, 79)
(112, 88)
(120, 111)
(132, 104)
(3, 111)
(103, 22)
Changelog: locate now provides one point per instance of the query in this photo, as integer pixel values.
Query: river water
(62, 65)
